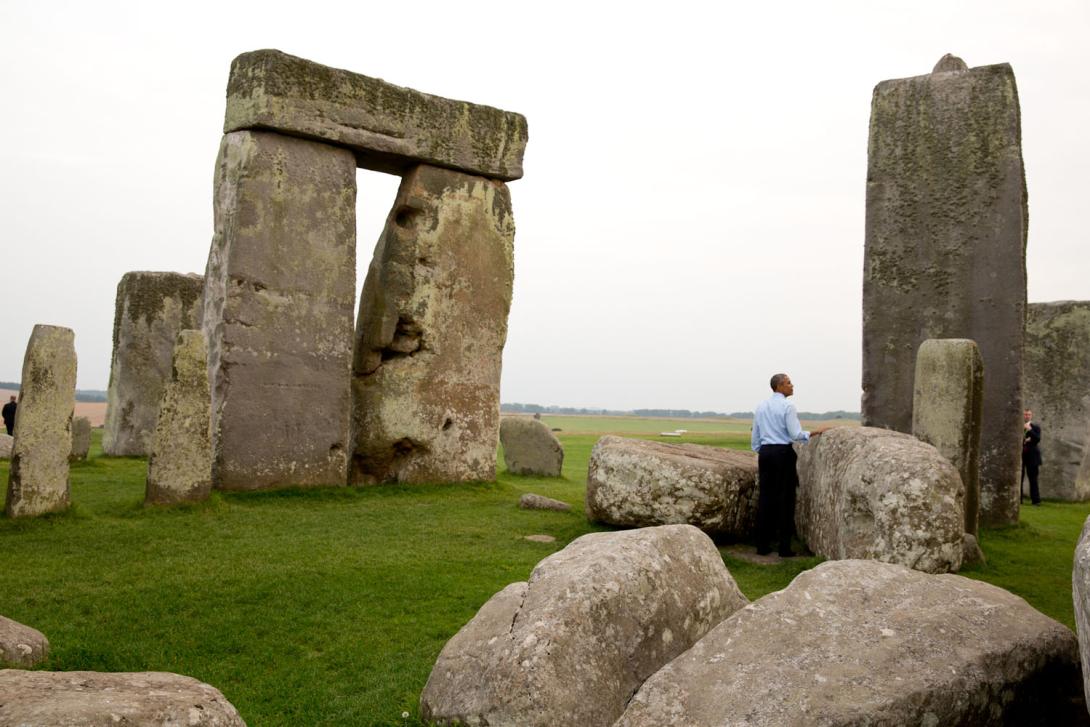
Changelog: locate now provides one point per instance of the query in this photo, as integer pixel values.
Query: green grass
(328, 607)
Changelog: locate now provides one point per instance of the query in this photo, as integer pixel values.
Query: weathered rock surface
(390, 128)
(21, 646)
(180, 465)
(279, 292)
(6, 444)
(946, 409)
(432, 325)
(530, 501)
(38, 479)
(971, 554)
(636, 483)
(878, 494)
(151, 309)
(866, 643)
(1080, 590)
(529, 448)
(945, 253)
(594, 620)
(97, 699)
(1057, 385)
(81, 439)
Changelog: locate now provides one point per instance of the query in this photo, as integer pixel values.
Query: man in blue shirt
(775, 427)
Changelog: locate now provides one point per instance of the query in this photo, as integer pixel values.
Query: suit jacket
(1030, 453)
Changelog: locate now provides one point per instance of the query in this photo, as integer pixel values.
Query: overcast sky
(691, 219)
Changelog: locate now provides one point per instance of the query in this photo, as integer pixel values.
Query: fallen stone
(539, 538)
(594, 620)
(180, 465)
(971, 554)
(21, 647)
(6, 443)
(1080, 590)
(81, 439)
(878, 494)
(151, 309)
(432, 325)
(38, 478)
(390, 128)
(866, 643)
(97, 699)
(529, 448)
(945, 253)
(530, 501)
(636, 483)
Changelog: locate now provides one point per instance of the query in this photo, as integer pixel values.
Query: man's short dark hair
(777, 379)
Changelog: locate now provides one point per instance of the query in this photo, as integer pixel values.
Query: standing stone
(38, 480)
(180, 465)
(945, 252)
(278, 299)
(151, 309)
(1057, 385)
(431, 330)
(946, 409)
(81, 439)
(529, 448)
(6, 443)
(1080, 591)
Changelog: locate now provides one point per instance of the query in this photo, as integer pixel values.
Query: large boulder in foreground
(96, 699)
(21, 646)
(571, 645)
(878, 494)
(530, 447)
(1080, 588)
(637, 483)
(867, 643)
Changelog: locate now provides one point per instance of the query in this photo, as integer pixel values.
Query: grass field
(328, 607)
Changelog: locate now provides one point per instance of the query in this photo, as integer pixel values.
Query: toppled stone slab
(865, 643)
(878, 494)
(431, 329)
(572, 644)
(97, 699)
(81, 439)
(6, 443)
(540, 538)
(21, 646)
(151, 309)
(38, 479)
(1057, 389)
(180, 466)
(530, 501)
(636, 483)
(390, 128)
(529, 448)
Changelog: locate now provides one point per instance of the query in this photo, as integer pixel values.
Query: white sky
(691, 219)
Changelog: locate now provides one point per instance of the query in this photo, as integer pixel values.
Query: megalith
(946, 409)
(530, 448)
(278, 298)
(431, 329)
(946, 229)
(1057, 383)
(38, 479)
(180, 465)
(21, 647)
(81, 439)
(1080, 592)
(150, 310)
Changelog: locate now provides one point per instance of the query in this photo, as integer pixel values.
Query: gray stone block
(81, 439)
(529, 448)
(21, 647)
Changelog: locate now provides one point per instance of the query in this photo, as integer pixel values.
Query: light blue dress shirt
(776, 422)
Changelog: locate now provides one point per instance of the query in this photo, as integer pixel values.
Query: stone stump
(1057, 385)
(38, 479)
(6, 444)
(945, 252)
(431, 330)
(946, 409)
(279, 290)
(529, 448)
(81, 439)
(151, 309)
(21, 647)
(180, 466)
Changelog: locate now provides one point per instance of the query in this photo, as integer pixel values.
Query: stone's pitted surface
(529, 448)
(945, 253)
(100, 699)
(38, 479)
(637, 483)
(878, 494)
(946, 409)
(572, 644)
(81, 439)
(1057, 389)
(21, 646)
(390, 128)
(863, 643)
(180, 465)
(279, 292)
(151, 309)
(530, 501)
(431, 330)
(1080, 591)
(6, 444)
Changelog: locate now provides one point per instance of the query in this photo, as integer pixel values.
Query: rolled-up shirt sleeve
(794, 429)
(755, 436)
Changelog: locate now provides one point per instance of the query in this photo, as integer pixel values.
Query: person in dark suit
(9, 415)
(1031, 456)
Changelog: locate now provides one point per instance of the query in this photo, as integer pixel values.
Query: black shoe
(787, 554)
(763, 551)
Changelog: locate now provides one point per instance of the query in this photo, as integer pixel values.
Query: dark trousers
(1031, 468)
(778, 480)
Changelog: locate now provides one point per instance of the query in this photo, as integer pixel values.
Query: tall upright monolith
(38, 480)
(946, 409)
(945, 252)
(151, 309)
